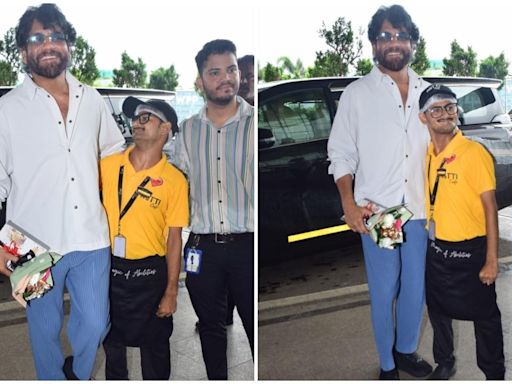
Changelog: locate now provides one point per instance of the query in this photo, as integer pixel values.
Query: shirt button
(70, 121)
(77, 96)
(218, 158)
(220, 201)
(72, 179)
(218, 181)
(222, 222)
(407, 107)
(218, 131)
(60, 122)
(406, 156)
(399, 106)
(69, 149)
(76, 206)
(406, 180)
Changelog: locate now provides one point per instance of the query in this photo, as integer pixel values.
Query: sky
(483, 25)
(162, 33)
(173, 31)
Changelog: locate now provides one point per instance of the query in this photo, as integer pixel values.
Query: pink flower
(398, 224)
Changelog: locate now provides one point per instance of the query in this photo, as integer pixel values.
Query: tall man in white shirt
(53, 131)
(378, 140)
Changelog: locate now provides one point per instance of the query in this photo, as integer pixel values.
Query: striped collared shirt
(219, 164)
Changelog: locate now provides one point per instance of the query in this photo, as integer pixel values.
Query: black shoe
(389, 375)
(68, 369)
(443, 372)
(412, 363)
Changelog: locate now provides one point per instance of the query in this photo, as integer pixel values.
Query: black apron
(453, 287)
(136, 288)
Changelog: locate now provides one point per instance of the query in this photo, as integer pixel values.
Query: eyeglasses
(398, 36)
(451, 109)
(143, 118)
(40, 38)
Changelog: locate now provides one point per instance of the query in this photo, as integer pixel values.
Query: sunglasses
(398, 36)
(40, 38)
(143, 118)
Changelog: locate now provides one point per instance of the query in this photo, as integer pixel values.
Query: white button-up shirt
(381, 141)
(49, 165)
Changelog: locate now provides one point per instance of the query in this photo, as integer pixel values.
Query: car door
(295, 192)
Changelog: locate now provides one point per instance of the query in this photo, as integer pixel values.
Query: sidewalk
(187, 362)
(328, 336)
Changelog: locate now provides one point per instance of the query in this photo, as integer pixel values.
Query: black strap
(441, 172)
(120, 193)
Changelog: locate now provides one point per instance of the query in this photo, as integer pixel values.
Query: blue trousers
(396, 281)
(86, 277)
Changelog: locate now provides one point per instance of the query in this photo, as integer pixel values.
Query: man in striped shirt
(215, 149)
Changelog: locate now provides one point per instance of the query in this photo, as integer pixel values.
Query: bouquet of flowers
(31, 274)
(385, 225)
(34, 278)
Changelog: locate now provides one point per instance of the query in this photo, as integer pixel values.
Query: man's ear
(423, 117)
(199, 83)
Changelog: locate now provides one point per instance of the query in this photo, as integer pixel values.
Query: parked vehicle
(298, 198)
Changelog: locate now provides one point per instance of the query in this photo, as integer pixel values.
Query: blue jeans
(397, 276)
(86, 277)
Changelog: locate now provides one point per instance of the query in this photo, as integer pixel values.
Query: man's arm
(489, 271)
(168, 302)
(354, 214)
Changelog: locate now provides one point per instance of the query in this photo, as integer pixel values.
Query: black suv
(297, 197)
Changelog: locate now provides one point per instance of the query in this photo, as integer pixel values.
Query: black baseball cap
(131, 104)
(435, 89)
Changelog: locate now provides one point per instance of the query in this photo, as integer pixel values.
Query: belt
(221, 238)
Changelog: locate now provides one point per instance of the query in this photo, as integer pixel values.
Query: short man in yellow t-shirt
(146, 200)
(462, 259)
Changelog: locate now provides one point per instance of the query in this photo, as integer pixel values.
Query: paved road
(314, 319)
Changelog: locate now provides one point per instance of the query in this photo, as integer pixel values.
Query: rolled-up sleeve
(342, 144)
(111, 139)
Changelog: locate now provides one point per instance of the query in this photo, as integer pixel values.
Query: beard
(395, 64)
(48, 70)
(222, 99)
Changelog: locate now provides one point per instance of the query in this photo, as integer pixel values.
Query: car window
(295, 117)
(479, 104)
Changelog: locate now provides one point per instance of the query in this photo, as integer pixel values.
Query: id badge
(431, 229)
(119, 246)
(193, 258)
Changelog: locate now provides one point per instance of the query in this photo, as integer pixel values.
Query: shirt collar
(378, 76)
(244, 110)
(31, 88)
(154, 172)
(454, 143)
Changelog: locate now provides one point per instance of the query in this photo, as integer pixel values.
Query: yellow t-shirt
(458, 210)
(146, 224)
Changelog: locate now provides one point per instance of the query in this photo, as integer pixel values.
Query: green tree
(461, 62)
(363, 67)
(345, 49)
(291, 70)
(421, 62)
(494, 67)
(131, 74)
(83, 59)
(164, 78)
(10, 65)
(271, 73)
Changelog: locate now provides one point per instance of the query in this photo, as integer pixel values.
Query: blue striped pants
(86, 277)
(396, 281)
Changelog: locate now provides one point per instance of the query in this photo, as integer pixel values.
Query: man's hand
(4, 258)
(355, 216)
(488, 273)
(167, 304)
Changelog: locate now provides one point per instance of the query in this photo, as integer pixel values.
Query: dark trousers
(155, 361)
(227, 266)
(489, 343)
